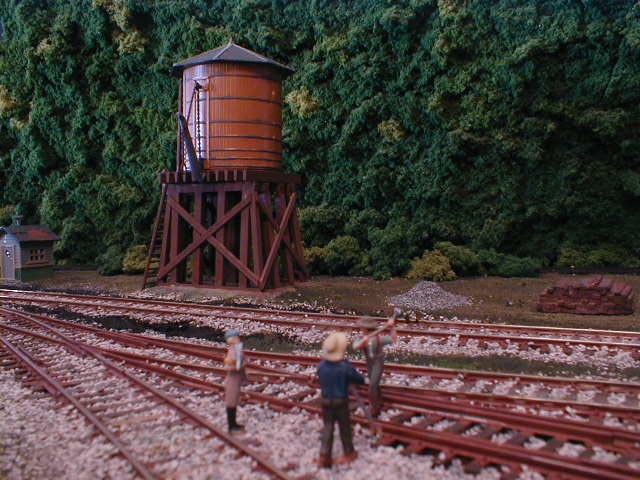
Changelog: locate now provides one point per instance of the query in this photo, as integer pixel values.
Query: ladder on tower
(155, 245)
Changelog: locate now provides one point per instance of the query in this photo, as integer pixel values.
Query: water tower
(227, 216)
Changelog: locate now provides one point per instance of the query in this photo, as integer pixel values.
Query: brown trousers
(335, 410)
(232, 384)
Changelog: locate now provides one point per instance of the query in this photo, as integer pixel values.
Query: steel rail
(57, 389)
(466, 446)
(434, 401)
(503, 340)
(214, 353)
(187, 413)
(548, 462)
(333, 316)
(391, 392)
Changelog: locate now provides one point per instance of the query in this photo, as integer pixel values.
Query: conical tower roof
(230, 53)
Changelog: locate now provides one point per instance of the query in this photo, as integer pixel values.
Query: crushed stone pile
(428, 296)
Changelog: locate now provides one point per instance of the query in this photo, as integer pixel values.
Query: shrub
(135, 260)
(316, 259)
(5, 214)
(391, 248)
(433, 265)
(320, 224)
(501, 265)
(512, 266)
(110, 262)
(464, 261)
(342, 254)
(361, 221)
(603, 255)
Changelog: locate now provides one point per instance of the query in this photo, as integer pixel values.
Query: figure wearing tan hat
(372, 344)
(335, 375)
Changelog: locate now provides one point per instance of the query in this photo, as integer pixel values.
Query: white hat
(334, 346)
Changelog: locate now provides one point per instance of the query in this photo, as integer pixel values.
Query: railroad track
(419, 422)
(139, 419)
(478, 335)
(600, 396)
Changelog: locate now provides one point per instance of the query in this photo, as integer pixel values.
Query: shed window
(36, 255)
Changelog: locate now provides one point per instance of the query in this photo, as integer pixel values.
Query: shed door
(8, 262)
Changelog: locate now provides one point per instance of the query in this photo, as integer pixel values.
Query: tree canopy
(512, 124)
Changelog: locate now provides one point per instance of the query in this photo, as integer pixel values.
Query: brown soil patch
(494, 299)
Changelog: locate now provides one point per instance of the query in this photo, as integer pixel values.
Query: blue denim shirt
(335, 377)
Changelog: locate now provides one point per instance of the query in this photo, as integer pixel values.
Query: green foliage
(5, 215)
(464, 261)
(316, 259)
(391, 248)
(603, 255)
(433, 265)
(320, 224)
(342, 255)
(499, 264)
(135, 260)
(110, 262)
(508, 125)
(512, 266)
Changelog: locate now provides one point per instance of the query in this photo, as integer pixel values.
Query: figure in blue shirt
(372, 344)
(335, 375)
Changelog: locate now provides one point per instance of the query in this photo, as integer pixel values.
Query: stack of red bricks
(595, 295)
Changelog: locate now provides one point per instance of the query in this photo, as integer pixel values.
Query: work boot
(324, 461)
(231, 420)
(346, 458)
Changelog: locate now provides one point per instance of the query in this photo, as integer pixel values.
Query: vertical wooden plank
(244, 238)
(172, 277)
(221, 203)
(296, 236)
(267, 231)
(196, 258)
(281, 205)
(256, 232)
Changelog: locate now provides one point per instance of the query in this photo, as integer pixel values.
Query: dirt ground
(494, 299)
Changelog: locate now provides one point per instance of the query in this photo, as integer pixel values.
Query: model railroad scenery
(319, 240)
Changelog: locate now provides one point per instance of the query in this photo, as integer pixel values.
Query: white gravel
(428, 296)
(38, 440)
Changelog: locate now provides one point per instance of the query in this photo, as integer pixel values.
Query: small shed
(27, 252)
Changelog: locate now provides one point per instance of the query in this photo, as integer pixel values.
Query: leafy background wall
(511, 125)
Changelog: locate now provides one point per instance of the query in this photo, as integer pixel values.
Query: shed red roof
(32, 233)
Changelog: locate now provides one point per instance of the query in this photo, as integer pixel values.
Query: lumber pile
(596, 295)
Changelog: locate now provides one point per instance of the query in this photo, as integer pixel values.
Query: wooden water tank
(232, 100)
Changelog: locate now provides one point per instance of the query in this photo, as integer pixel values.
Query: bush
(135, 260)
(320, 224)
(316, 259)
(342, 255)
(464, 261)
(512, 266)
(433, 265)
(501, 265)
(5, 215)
(391, 248)
(361, 221)
(603, 255)
(110, 262)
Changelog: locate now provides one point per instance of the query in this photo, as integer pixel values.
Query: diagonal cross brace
(205, 236)
(285, 240)
(277, 241)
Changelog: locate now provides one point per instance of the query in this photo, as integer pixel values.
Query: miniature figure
(372, 344)
(335, 375)
(236, 376)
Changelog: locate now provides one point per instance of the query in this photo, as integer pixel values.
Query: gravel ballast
(428, 296)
